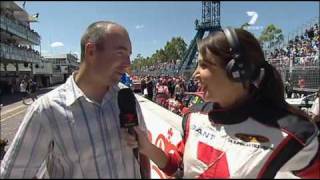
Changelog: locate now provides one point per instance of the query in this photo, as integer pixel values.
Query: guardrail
(308, 71)
(16, 53)
(19, 30)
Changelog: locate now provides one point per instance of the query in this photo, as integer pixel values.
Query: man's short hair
(94, 33)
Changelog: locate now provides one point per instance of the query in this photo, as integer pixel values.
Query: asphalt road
(12, 113)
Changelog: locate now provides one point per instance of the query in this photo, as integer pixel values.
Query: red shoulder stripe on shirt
(285, 150)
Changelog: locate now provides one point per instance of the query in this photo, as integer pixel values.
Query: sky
(152, 23)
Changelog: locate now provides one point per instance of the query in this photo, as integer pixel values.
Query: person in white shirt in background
(314, 112)
(74, 130)
(23, 89)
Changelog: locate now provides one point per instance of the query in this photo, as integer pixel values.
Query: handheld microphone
(128, 114)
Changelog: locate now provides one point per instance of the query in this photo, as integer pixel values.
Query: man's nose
(126, 62)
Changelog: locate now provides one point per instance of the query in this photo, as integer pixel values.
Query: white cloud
(139, 26)
(57, 44)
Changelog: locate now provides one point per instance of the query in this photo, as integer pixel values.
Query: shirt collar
(234, 115)
(252, 108)
(73, 92)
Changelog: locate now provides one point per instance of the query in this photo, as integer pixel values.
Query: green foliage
(173, 50)
(271, 35)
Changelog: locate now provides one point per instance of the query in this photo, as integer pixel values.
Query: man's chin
(111, 81)
(115, 80)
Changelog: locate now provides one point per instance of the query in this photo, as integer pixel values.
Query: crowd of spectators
(14, 44)
(161, 88)
(161, 68)
(303, 49)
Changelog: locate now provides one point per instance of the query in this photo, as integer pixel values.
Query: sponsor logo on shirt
(254, 141)
(254, 145)
(252, 138)
(203, 132)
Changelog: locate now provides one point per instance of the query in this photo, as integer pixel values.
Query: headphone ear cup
(232, 70)
(229, 67)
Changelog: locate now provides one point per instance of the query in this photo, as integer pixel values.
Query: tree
(181, 47)
(137, 62)
(271, 36)
(175, 48)
(162, 55)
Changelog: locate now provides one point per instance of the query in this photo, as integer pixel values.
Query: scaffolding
(210, 22)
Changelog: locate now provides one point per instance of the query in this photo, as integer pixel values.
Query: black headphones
(238, 68)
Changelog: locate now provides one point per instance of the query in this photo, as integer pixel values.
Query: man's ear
(89, 49)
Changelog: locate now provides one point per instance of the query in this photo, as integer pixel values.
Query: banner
(164, 130)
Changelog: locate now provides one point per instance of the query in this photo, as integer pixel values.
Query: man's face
(112, 61)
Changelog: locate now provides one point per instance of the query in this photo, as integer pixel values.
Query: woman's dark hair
(271, 88)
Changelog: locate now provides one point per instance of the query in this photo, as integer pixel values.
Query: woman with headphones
(245, 129)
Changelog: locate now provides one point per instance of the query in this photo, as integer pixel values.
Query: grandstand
(17, 42)
(19, 59)
(299, 60)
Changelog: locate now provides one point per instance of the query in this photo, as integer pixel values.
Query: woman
(162, 93)
(245, 129)
(179, 91)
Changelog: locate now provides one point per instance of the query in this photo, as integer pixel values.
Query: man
(301, 84)
(149, 86)
(33, 89)
(192, 86)
(171, 87)
(74, 130)
(143, 84)
(288, 88)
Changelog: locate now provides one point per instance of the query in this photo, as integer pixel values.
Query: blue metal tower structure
(210, 22)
